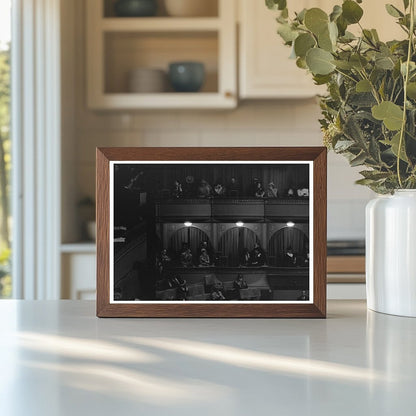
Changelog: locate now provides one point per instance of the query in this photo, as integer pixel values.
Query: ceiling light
(290, 224)
(239, 223)
(187, 224)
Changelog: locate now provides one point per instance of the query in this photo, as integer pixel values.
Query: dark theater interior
(211, 232)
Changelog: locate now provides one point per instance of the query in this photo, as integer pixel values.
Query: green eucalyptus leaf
(325, 42)
(301, 63)
(394, 146)
(358, 61)
(347, 37)
(375, 35)
(316, 20)
(388, 112)
(281, 19)
(343, 145)
(374, 174)
(384, 62)
(374, 150)
(363, 86)
(285, 13)
(358, 160)
(351, 11)
(336, 12)
(406, 4)
(303, 43)
(412, 68)
(321, 79)
(333, 32)
(301, 15)
(393, 11)
(365, 182)
(287, 33)
(344, 65)
(320, 61)
(342, 25)
(276, 4)
(368, 36)
(411, 90)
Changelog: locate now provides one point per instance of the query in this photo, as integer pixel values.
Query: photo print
(211, 232)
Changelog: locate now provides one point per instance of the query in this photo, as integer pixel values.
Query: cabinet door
(265, 68)
(78, 276)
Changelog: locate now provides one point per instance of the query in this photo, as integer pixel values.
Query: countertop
(57, 358)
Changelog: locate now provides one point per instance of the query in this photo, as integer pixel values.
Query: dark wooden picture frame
(316, 308)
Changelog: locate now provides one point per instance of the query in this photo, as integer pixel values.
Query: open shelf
(118, 45)
(127, 51)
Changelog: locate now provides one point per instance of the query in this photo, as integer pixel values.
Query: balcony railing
(225, 209)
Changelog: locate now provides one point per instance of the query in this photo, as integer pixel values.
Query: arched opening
(282, 240)
(233, 242)
(193, 237)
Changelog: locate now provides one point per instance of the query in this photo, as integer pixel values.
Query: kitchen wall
(253, 123)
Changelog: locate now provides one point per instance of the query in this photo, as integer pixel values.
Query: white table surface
(57, 358)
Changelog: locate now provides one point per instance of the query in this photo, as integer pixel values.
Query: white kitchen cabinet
(118, 45)
(265, 70)
(78, 262)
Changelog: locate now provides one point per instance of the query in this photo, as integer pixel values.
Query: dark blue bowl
(135, 8)
(186, 76)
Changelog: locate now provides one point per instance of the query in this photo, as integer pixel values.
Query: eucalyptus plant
(369, 111)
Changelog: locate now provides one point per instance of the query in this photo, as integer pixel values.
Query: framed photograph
(211, 232)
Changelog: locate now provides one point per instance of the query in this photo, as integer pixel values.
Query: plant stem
(406, 80)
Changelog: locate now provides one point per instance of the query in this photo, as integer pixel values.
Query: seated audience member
(290, 193)
(245, 258)
(240, 283)
(233, 188)
(304, 261)
(162, 260)
(177, 189)
(204, 189)
(204, 260)
(117, 293)
(204, 245)
(258, 257)
(272, 191)
(303, 296)
(290, 258)
(219, 190)
(217, 294)
(189, 189)
(258, 246)
(259, 193)
(182, 290)
(303, 192)
(186, 258)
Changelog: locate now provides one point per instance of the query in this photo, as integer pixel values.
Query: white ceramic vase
(391, 253)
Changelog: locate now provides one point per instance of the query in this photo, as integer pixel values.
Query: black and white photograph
(210, 232)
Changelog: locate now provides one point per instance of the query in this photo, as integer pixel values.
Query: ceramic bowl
(135, 8)
(147, 80)
(186, 76)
